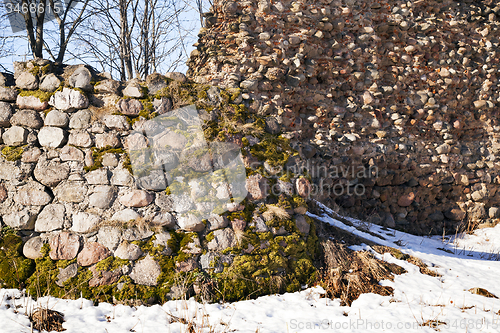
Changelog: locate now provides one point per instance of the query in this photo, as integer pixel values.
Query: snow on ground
(464, 261)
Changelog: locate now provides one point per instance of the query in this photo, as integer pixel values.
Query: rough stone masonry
(406, 88)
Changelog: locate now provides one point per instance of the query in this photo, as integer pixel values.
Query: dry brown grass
(275, 212)
(47, 320)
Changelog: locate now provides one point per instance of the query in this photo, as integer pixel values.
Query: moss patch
(12, 153)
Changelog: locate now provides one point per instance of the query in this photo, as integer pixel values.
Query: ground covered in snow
(420, 303)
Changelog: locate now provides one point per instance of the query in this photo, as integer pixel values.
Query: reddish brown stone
(186, 266)
(104, 278)
(92, 253)
(64, 246)
(303, 187)
(3, 193)
(257, 187)
(406, 199)
(238, 225)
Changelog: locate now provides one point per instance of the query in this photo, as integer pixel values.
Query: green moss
(14, 268)
(111, 263)
(98, 153)
(13, 153)
(274, 150)
(43, 96)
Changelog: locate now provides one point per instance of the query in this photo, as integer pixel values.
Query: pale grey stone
(50, 218)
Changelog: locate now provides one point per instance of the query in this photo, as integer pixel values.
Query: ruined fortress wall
(408, 88)
(138, 191)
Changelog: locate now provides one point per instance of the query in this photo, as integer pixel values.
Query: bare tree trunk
(125, 40)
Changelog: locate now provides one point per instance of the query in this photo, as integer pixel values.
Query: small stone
(102, 197)
(80, 139)
(257, 187)
(125, 215)
(64, 246)
(31, 155)
(190, 222)
(136, 198)
(15, 136)
(107, 139)
(32, 249)
(66, 273)
(303, 187)
(5, 114)
(109, 159)
(136, 234)
(223, 239)
(71, 191)
(217, 221)
(162, 105)
(146, 272)
(116, 122)
(133, 90)
(130, 107)
(302, 225)
(50, 83)
(69, 100)
(107, 87)
(81, 78)
(92, 253)
(51, 137)
(176, 76)
(128, 251)
(56, 118)
(494, 212)
(109, 236)
(163, 219)
(156, 82)
(21, 220)
(104, 278)
(31, 103)
(70, 153)
(406, 199)
(32, 196)
(50, 218)
(27, 118)
(50, 173)
(97, 177)
(85, 222)
(122, 177)
(8, 94)
(80, 119)
(163, 239)
(27, 81)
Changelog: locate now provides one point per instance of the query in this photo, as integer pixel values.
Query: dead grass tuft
(275, 211)
(47, 320)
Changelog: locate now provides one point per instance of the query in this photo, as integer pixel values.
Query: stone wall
(406, 88)
(81, 187)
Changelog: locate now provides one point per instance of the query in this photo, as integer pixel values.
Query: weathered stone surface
(223, 239)
(162, 105)
(136, 234)
(154, 181)
(51, 137)
(109, 236)
(104, 278)
(71, 191)
(56, 118)
(455, 214)
(50, 173)
(303, 187)
(27, 118)
(163, 239)
(15, 136)
(64, 246)
(116, 122)
(125, 215)
(23, 220)
(32, 249)
(102, 196)
(217, 221)
(67, 273)
(31, 155)
(97, 177)
(70, 153)
(5, 114)
(92, 253)
(50, 218)
(80, 139)
(122, 177)
(128, 251)
(406, 200)
(32, 195)
(31, 103)
(136, 198)
(130, 107)
(107, 139)
(146, 272)
(8, 94)
(155, 82)
(27, 81)
(163, 219)
(50, 83)
(69, 100)
(302, 224)
(257, 187)
(80, 120)
(190, 222)
(135, 141)
(176, 76)
(85, 222)
(107, 87)
(80, 79)
(133, 90)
